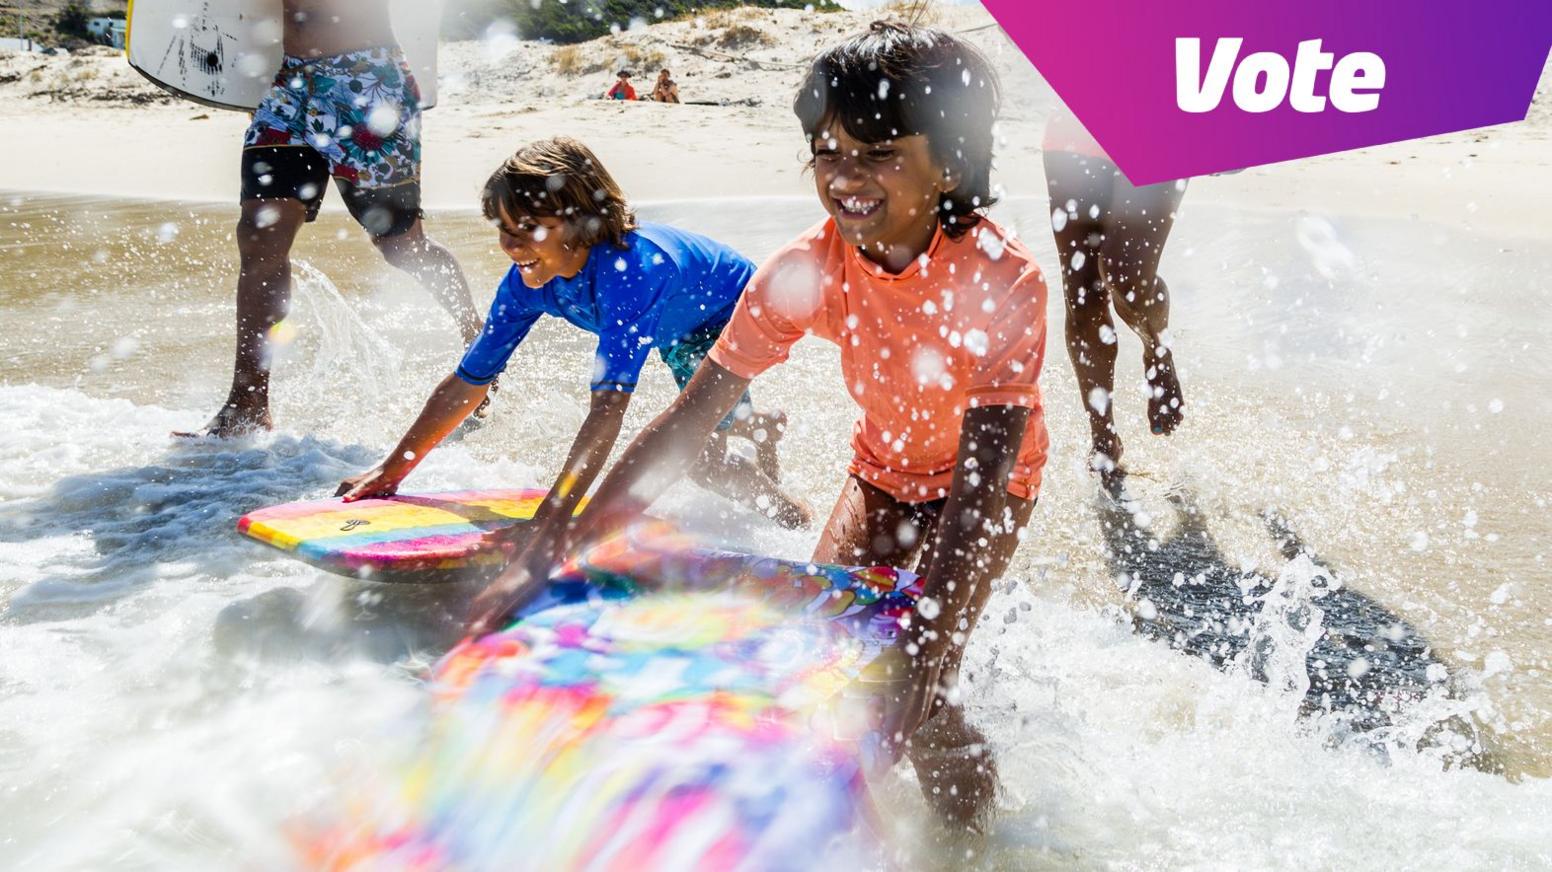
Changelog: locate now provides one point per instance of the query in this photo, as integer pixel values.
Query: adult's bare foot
(1166, 406)
(232, 421)
(1105, 454)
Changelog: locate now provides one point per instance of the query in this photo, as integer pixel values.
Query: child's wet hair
(560, 178)
(901, 80)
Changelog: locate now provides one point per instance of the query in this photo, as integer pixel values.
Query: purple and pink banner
(1182, 89)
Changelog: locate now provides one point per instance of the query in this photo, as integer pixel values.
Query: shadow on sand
(1373, 675)
(340, 618)
(175, 517)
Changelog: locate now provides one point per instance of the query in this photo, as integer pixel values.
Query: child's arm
(450, 403)
(658, 457)
(961, 571)
(595, 439)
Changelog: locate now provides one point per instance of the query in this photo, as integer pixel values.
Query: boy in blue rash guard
(579, 254)
(666, 289)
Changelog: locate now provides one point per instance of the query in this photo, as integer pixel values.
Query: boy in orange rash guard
(940, 317)
(961, 330)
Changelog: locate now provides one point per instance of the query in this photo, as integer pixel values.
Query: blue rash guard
(664, 286)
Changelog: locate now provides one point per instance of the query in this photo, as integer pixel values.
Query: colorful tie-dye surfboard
(701, 723)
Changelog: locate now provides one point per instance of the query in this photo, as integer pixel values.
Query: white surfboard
(224, 53)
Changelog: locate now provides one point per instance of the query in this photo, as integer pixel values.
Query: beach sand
(88, 124)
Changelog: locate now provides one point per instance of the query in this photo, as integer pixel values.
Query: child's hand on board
(492, 608)
(375, 482)
(508, 539)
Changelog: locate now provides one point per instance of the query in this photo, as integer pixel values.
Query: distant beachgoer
(1110, 235)
(622, 89)
(344, 105)
(666, 90)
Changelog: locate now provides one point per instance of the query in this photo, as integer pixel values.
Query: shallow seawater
(1377, 383)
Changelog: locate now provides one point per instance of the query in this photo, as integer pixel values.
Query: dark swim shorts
(355, 117)
(684, 358)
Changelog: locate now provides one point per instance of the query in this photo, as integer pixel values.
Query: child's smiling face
(542, 248)
(883, 195)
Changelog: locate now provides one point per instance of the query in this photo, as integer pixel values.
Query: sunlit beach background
(1363, 341)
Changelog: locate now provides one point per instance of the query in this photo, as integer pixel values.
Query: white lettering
(1264, 79)
(1308, 64)
(1195, 92)
(1249, 92)
(1361, 69)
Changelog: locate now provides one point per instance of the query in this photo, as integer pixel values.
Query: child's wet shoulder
(640, 256)
(811, 249)
(657, 247)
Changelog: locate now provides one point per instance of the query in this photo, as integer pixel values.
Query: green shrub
(569, 21)
(72, 20)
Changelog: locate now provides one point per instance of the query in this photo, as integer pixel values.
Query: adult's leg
(953, 761)
(1140, 221)
(1080, 199)
(265, 233)
(429, 263)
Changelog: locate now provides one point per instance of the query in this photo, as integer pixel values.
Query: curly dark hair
(560, 178)
(902, 80)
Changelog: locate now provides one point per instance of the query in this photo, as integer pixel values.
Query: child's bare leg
(957, 773)
(742, 482)
(868, 527)
(1129, 262)
(955, 767)
(765, 430)
(265, 233)
(953, 759)
(437, 270)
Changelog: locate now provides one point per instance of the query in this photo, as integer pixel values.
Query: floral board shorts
(354, 117)
(684, 358)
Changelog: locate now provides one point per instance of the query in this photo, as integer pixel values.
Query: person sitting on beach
(344, 105)
(940, 318)
(666, 90)
(1110, 235)
(622, 89)
(579, 253)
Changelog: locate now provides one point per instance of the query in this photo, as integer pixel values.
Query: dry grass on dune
(743, 36)
(601, 56)
(923, 12)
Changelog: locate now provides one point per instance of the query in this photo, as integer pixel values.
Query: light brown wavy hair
(560, 178)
